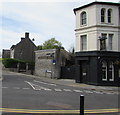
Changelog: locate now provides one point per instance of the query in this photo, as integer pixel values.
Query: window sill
(111, 79)
(107, 23)
(104, 79)
(83, 25)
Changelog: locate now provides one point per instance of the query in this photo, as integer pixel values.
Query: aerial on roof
(97, 2)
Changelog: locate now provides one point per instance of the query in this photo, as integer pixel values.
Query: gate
(68, 72)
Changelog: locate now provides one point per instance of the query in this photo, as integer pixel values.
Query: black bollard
(82, 105)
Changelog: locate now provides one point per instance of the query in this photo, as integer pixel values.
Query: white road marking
(30, 84)
(88, 91)
(57, 89)
(67, 90)
(45, 83)
(25, 88)
(79, 91)
(37, 87)
(15, 88)
(46, 89)
(98, 92)
(5, 87)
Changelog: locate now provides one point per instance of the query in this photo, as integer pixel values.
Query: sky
(42, 19)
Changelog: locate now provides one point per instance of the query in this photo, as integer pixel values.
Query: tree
(72, 49)
(50, 44)
(39, 47)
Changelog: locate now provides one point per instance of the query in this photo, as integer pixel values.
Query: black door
(84, 72)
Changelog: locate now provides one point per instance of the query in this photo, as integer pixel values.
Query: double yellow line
(4, 110)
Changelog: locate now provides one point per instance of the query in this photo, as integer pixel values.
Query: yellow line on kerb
(57, 111)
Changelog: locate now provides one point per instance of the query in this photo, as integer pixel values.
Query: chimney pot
(26, 35)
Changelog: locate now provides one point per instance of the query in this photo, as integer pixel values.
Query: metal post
(81, 104)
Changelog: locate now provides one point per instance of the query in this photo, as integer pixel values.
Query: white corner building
(98, 42)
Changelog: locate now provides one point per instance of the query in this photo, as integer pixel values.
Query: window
(109, 13)
(104, 71)
(83, 18)
(111, 71)
(103, 15)
(84, 43)
(110, 40)
(103, 42)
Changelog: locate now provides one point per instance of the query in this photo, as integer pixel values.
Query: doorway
(84, 72)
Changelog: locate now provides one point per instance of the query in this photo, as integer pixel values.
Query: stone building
(48, 62)
(24, 50)
(97, 43)
(5, 53)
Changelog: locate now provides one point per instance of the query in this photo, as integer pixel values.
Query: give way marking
(45, 83)
(37, 87)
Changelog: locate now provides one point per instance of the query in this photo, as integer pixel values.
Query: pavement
(72, 83)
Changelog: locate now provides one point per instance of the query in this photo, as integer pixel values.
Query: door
(84, 72)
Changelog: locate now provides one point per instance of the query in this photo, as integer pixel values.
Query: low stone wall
(10, 69)
(17, 70)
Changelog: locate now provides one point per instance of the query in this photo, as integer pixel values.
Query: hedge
(12, 63)
(9, 63)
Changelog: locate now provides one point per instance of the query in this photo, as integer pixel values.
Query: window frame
(83, 40)
(111, 71)
(103, 12)
(103, 41)
(109, 15)
(104, 70)
(83, 17)
(110, 41)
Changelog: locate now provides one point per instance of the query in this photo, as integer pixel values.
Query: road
(29, 95)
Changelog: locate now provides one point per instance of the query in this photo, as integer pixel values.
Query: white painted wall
(115, 12)
(94, 27)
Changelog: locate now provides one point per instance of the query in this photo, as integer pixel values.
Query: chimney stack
(22, 38)
(26, 35)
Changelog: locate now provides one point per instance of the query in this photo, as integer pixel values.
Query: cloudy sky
(43, 20)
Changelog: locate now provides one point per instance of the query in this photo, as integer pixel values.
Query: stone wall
(5, 53)
(48, 62)
(45, 63)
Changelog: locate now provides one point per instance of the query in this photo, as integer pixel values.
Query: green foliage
(50, 44)
(12, 63)
(39, 47)
(117, 62)
(9, 63)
